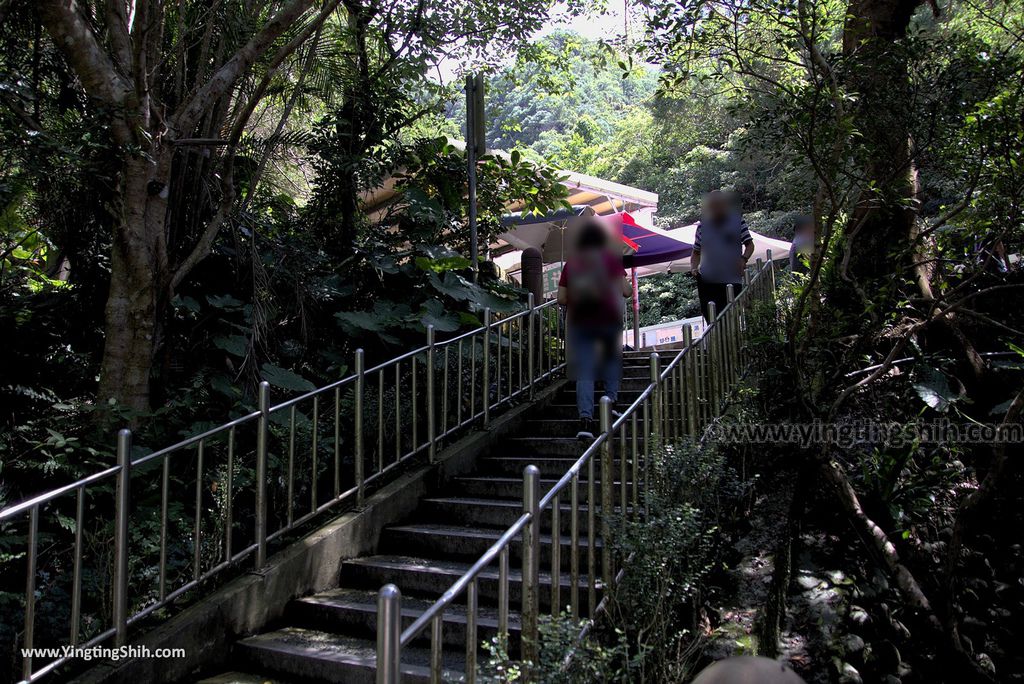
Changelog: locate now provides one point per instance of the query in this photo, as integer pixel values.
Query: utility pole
(476, 145)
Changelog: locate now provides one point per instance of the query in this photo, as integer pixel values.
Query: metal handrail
(406, 406)
(671, 406)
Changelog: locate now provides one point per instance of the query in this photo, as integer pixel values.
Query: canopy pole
(636, 312)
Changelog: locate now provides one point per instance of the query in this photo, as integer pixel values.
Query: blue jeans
(592, 363)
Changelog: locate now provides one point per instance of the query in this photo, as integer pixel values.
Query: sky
(608, 24)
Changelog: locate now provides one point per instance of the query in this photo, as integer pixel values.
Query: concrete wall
(207, 629)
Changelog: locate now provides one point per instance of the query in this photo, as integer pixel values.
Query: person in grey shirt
(721, 250)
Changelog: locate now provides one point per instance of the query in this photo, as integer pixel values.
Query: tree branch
(74, 37)
(225, 77)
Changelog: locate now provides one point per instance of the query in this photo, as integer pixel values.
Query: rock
(985, 663)
(901, 629)
(892, 679)
(838, 577)
(808, 582)
(859, 616)
(886, 655)
(848, 674)
(852, 644)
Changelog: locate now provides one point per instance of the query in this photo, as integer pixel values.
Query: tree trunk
(138, 283)
(880, 235)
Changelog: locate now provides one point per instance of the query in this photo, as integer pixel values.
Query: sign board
(549, 277)
(666, 333)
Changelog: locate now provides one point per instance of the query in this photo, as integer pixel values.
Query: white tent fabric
(762, 245)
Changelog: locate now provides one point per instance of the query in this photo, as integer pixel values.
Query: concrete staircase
(330, 636)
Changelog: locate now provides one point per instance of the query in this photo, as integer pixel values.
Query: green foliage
(667, 297)
(672, 552)
(563, 659)
(649, 632)
(568, 100)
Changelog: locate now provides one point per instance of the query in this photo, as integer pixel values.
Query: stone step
(565, 409)
(551, 467)
(354, 612)
(544, 447)
(330, 636)
(495, 512)
(239, 678)
(310, 655)
(468, 543)
(500, 486)
(425, 577)
(563, 426)
(540, 446)
(627, 388)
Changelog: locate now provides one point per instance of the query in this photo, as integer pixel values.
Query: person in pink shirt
(592, 287)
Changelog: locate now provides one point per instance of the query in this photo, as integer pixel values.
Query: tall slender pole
(471, 151)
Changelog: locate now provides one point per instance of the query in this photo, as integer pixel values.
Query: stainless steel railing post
(531, 564)
(431, 400)
(261, 474)
(690, 382)
(28, 637)
(713, 359)
(531, 343)
(124, 476)
(574, 546)
(357, 419)
(730, 340)
(472, 606)
(486, 389)
(389, 626)
(607, 493)
(656, 427)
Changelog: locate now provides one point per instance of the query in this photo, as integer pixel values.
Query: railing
(681, 400)
(220, 497)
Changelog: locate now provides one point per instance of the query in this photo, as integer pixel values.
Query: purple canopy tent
(642, 246)
(648, 248)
